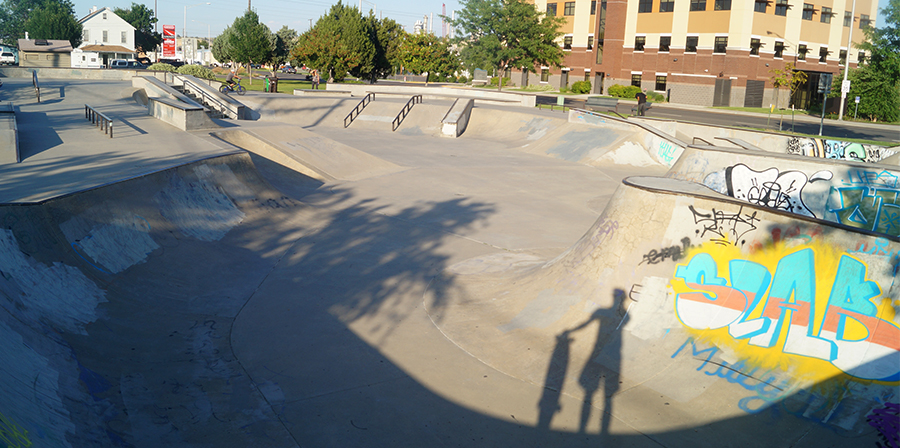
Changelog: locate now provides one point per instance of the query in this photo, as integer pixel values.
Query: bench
(601, 102)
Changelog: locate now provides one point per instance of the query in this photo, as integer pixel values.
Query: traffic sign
(856, 100)
(845, 86)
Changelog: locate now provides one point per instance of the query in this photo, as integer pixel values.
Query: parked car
(288, 69)
(122, 63)
(7, 58)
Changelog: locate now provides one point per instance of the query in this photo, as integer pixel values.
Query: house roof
(45, 45)
(94, 13)
(107, 49)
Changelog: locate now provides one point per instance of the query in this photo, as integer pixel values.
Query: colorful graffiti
(771, 188)
(667, 152)
(887, 421)
(836, 149)
(13, 435)
(875, 209)
(810, 305)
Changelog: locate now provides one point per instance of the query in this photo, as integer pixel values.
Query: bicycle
(225, 88)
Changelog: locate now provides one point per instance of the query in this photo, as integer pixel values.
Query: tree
(142, 19)
(340, 43)
(786, 77)
(423, 52)
(249, 41)
(284, 41)
(387, 38)
(883, 44)
(508, 34)
(54, 21)
(326, 52)
(15, 13)
(221, 46)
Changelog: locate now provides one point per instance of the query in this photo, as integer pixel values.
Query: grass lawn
(284, 85)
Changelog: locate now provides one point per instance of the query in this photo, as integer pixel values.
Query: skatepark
(541, 279)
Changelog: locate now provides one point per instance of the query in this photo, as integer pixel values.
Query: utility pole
(846, 62)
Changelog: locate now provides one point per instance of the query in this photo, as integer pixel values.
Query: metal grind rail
(37, 85)
(405, 111)
(205, 97)
(98, 119)
(358, 109)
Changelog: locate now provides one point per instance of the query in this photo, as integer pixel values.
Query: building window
(551, 9)
(721, 43)
(569, 9)
(645, 5)
(861, 57)
(105, 36)
(781, 7)
(761, 6)
(823, 53)
(567, 43)
(545, 74)
(863, 21)
(661, 83)
(847, 18)
(801, 52)
(104, 16)
(808, 11)
(594, 7)
(754, 46)
(86, 35)
(779, 49)
(826, 15)
(698, 5)
(587, 76)
(636, 80)
(666, 5)
(124, 39)
(639, 42)
(664, 43)
(843, 57)
(590, 45)
(723, 5)
(690, 44)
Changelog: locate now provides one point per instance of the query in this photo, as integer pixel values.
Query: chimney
(93, 9)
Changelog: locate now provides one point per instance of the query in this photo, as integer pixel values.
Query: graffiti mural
(810, 306)
(836, 149)
(12, 435)
(771, 188)
(887, 421)
(724, 228)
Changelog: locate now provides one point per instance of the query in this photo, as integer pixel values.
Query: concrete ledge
(218, 101)
(320, 92)
(70, 73)
(457, 118)
(180, 115)
(9, 135)
(505, 98)
(157, 88)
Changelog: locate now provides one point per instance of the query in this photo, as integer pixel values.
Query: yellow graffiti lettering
(13, 435)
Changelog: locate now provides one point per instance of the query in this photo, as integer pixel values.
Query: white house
(108, 35)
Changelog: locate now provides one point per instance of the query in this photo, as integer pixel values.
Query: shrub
(623, 91)
(462, 79)
(496, 79)
(538, 88)
(581, 87)
(196, 70)
(162, 67)
(656, 97)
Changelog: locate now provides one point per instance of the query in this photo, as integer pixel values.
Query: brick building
(705, 52)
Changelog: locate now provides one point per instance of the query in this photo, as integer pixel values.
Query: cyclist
(230, 79)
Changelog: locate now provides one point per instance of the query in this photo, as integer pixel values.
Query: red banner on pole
(168, 41)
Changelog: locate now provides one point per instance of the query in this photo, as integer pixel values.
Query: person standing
(315, 79)
(642, 102)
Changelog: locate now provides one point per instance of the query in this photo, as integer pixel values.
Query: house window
(801, 52)
(545, 74)
(569, 9)
(124, 39)
(861, 57)
(721, 43)
(781, 7)
(754, 46)
(594, 7)
(587, 76)
(661, 83)
(105, 36)
(779, 49)
(843, 57)
(808, 11)
(760, 6)
(590, 45)
(104, 16)
(86, 35)
(826, 15)
(723, 5)
(664, 43)
(645, 5)
(551, 9)
(847, 18)
(567, 43)
(863, 21)
(639, 42)
(698, 5)
(823, 53)
(690, 44)
(666, 5)
(636, 80)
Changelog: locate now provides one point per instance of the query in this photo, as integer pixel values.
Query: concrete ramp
(303, 111)
(695, 308)
(308, 153)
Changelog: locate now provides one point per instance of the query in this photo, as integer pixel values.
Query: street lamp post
(847, 62)
(184, 27)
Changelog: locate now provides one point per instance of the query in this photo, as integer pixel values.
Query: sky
(296, 14)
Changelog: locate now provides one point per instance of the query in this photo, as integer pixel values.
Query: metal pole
(822, 122)
(847, 61)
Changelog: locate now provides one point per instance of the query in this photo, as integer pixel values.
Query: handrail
(204, 95)
(359, 108)
(37, 85)
(405, 111)
(98, 119)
